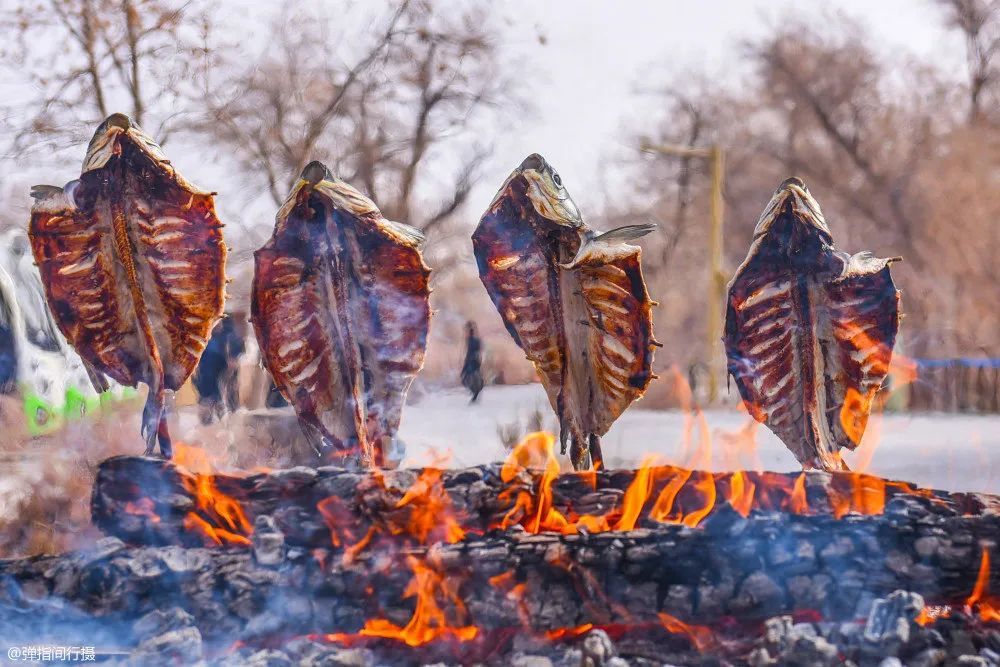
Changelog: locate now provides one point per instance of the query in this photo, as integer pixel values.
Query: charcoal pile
(504, 566)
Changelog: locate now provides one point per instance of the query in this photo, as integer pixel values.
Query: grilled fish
(809, 330)
(133, 264)
(340, 307)
(573, 299)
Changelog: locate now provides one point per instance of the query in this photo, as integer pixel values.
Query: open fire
(403, 519)
(655, 494)
(506, 562)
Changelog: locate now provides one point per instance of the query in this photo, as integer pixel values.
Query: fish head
(793, 232)
(111, 138)
(317, 189)
(317, 192)
(537, 184)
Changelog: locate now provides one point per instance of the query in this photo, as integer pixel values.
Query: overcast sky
(596, 52)
(584, 75)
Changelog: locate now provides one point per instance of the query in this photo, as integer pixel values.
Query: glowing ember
(701, 637)
(143, 507)
(979, 603)
(568, 633)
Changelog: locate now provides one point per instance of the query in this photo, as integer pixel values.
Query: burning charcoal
(809, 330)
(268, 541)
(889, 622)
(573, 300)
(794, 644)
(132, 259)
(340, 308)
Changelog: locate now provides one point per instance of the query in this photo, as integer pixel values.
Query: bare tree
(878, 140)
(825, 97)
(383, 120)
(85, 59)
(979, 23)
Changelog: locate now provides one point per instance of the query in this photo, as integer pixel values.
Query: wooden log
(149, 501)
(728, 567)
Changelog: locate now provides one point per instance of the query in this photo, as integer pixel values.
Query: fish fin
(602, 244)
(625, 233)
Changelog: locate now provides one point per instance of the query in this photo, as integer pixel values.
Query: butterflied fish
(573, 299)
(809, 330)
(133, 264)
(341, 308)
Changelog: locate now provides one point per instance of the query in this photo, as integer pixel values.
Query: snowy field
(954, 452)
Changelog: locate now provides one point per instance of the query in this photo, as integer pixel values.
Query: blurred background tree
(902, 159)
(85, 59)
(407, 101)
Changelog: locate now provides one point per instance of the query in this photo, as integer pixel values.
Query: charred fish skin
(340, 307)
(133, 263)
(809, 330)
(572, 299)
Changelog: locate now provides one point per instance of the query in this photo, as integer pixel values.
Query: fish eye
(556, 179)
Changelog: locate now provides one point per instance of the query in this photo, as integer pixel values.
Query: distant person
(274, 398)
(472, 368)
(8, 349)
(216, 375)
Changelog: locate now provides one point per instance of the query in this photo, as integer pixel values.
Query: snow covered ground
(954, 452)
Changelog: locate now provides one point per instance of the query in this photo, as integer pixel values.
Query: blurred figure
(8, 344)
(472, 368)
(274, 398)
(216, 375)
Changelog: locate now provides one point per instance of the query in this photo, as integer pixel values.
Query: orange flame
(568, 633)
(429, 621)
(226, 523)
(218, 517)
(635, 496)
(798, 503)
(978, 598)
(741, 493)
(663, 508)
(195, 459)
(701, 637)
(431, 513)
(854, 412)
(866, 494)
(706, 489)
